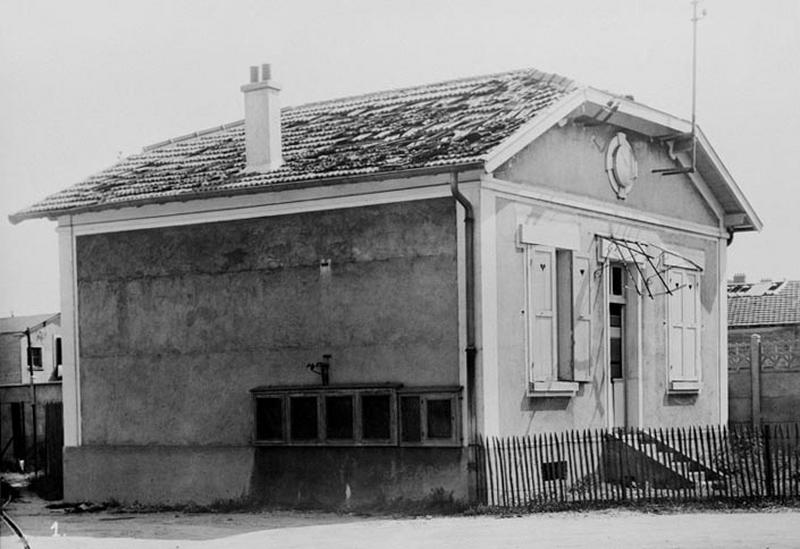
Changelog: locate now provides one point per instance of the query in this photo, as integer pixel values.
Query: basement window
(376, 417)
(340, 422)
(429, 419)
(303, 418)
(357, 415)
(269, 418)
(554, 470)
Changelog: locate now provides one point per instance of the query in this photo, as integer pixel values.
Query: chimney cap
(266, 73)
(261, 78)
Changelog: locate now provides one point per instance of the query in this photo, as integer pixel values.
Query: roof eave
(752, 221)
(35, 327)
(53, 215)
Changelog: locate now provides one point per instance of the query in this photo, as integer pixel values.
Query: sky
(83, 83)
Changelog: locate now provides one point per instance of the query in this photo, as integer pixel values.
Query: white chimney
(262, 122)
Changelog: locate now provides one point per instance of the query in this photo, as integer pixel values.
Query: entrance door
(617, 344)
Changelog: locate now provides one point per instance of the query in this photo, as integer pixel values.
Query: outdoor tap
(322, 369)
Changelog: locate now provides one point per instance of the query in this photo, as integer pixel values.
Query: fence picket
(572, 472)
(768, 461)
(696, 471)
(503, 492)
(560, 458)
(600, 465)
(526, 471)
(535, 469)
(780, 461)
(588, 465)
(707, 462)
(724, 442)
(794, 459)
(522, 492)
(711, 483)
(644, 443)
(538, 454)
(600, 441)
(749, 463)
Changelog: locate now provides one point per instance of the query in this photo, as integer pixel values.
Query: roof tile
(779, 308)
(448, 123)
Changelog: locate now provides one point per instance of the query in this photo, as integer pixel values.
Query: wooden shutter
(684, 325)
(581, 318)
(542, 280)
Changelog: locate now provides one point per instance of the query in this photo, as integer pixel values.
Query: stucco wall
(10, 359)
(13, 355)
(572, 159)
(44, 338)
(569, 160)
(178, 324)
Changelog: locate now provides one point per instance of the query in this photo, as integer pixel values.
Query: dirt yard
(285, 529)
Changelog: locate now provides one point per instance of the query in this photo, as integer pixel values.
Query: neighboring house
(16, 413)
(332, 301)
(771, 309)
(45, 349)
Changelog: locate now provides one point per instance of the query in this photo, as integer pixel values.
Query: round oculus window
(621, 166)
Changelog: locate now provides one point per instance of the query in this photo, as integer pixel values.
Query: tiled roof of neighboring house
(17, 324)
(771, 308)
(449, 123)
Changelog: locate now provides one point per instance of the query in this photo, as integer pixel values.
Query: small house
(30, 368)
(330, 302)
(770, 309)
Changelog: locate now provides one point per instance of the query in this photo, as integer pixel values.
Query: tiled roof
(781, 307)
(16, 324)
(450, 123)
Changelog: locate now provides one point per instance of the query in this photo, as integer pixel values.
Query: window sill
(684, 387)
(553, 389)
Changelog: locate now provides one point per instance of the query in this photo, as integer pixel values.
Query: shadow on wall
(346, 478)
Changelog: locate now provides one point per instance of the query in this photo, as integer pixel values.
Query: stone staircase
(646, 459)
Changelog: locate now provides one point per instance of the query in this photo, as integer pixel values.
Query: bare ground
(777, 528)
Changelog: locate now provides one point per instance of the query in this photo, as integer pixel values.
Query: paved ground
(288, 530)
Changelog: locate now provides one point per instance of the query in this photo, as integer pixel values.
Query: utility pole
(33, 401)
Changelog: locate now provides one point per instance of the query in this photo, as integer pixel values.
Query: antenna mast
(693, 135)
(695, 19)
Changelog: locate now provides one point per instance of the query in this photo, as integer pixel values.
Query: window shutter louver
(542, 273)
(684, 331)
(581, 317)
(691, 329)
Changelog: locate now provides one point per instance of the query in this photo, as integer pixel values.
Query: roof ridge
(557, 80)
(550, 78)
(192, 135)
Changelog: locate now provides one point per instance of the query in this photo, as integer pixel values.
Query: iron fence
(691, 463)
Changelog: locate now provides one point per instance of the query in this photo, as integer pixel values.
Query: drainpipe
(469, 260)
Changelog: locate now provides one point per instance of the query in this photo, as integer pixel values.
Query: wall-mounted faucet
(322, 369)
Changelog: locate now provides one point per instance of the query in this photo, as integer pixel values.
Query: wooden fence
(692, 463)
